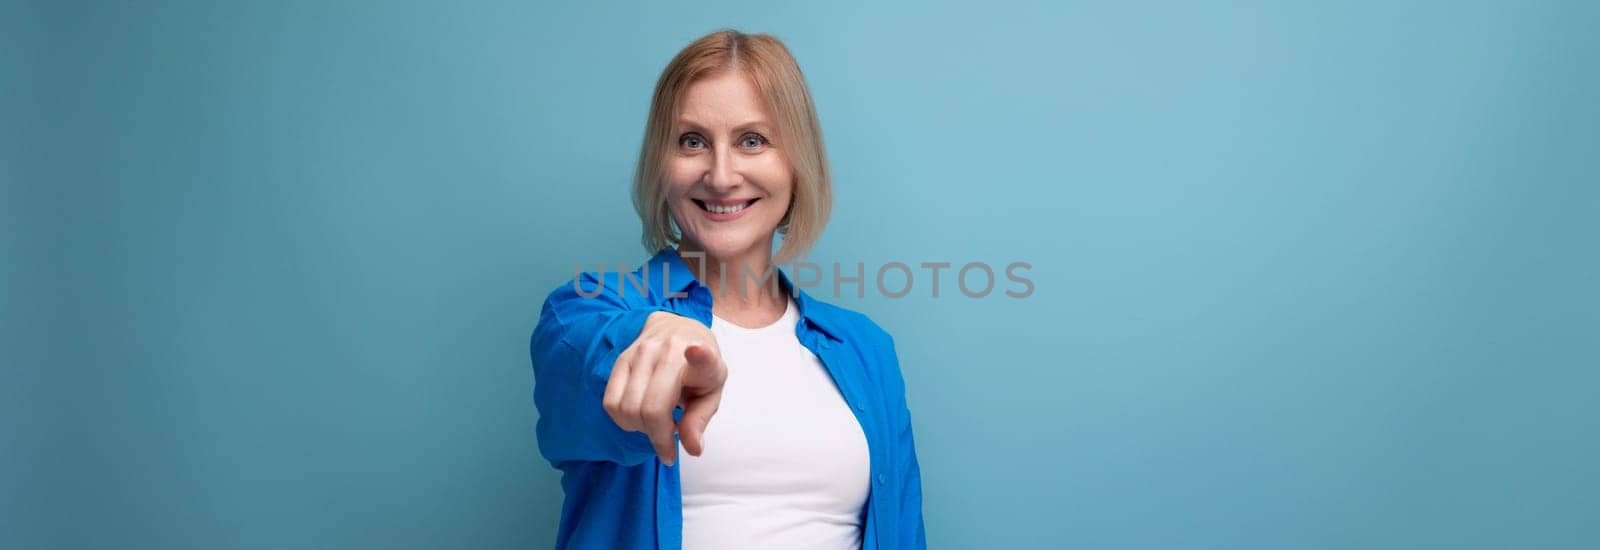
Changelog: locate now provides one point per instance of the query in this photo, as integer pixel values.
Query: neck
(740, 283)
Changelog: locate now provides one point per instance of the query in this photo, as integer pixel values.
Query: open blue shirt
(619, 495)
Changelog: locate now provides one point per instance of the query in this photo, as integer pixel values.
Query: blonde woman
(811, 446)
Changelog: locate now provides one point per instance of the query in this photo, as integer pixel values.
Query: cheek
(681, 174)
(776, 175)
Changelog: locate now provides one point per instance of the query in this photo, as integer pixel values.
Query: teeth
(725, 209)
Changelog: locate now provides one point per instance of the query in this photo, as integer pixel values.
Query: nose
(723, 175)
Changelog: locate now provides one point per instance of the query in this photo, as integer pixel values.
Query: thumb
(705, 371)
(700, 355)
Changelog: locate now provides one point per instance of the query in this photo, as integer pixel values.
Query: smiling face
(728, 184)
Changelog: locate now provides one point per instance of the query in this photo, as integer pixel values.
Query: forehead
(728, 98)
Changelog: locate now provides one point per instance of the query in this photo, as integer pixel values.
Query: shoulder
(854, 327)
(586, 297)
(604, 288)
(588, 301)
(871, 341)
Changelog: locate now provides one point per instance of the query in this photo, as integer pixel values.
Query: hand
(674, 360)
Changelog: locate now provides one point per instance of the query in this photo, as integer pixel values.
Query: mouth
(724, 208)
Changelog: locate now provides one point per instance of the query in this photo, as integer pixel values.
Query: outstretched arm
(609, 376)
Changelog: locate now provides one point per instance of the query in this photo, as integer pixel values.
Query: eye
(691, 141)
(752, 140)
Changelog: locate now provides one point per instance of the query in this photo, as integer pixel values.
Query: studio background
(1308, 275)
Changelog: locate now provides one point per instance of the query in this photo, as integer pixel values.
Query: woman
(812, 445)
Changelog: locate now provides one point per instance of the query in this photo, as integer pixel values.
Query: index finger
(666, 385)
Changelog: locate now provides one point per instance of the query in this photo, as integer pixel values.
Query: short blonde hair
(777, 78)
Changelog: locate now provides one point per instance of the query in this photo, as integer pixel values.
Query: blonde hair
(777, 78)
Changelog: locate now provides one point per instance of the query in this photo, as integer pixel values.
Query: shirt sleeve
(912, 533)
(573, 348)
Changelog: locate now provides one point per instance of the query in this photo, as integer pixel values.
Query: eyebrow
(751, 125)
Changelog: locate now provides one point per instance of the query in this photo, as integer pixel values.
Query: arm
(911, 532)
(573, 349)
(619, 382)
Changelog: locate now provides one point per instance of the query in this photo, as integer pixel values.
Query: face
(728, 184)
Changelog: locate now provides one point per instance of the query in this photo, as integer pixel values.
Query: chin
(727, 245)
(723, 244)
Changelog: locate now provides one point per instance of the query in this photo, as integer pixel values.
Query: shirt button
(861, 407)
(826, 344)
(880, 480)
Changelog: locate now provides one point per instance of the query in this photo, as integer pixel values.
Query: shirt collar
(680, 280)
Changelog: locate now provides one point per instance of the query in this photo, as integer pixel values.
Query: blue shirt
(619, 495)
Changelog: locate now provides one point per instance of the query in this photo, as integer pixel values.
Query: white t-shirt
(785, 463)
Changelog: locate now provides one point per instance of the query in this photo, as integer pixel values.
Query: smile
(724, 207)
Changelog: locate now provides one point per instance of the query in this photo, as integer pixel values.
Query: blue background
(1308, 275)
